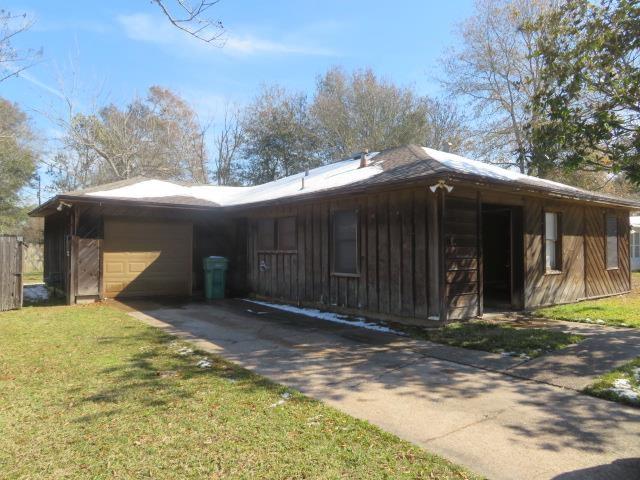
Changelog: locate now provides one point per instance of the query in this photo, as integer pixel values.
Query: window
(266, 234)
(635, 244)
(287, 233)
(345, 242)
(277, 234)
(612, 241)
(552, 241)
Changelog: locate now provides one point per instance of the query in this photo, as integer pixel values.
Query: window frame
(558, 243)
(278, 222)
(259, 247)
(334, 271)
(634, 241)
(275, 225)
(608, 215)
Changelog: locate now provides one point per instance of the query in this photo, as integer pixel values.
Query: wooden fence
(11, 248)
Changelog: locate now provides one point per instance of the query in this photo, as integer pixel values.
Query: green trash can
(215, 271)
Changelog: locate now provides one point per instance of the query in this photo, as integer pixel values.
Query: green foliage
(278, 136)
(89, 392)
(17, 165)
(588, 96)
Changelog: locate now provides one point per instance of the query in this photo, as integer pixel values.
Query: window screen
(266, 234)
(287, 233)
(612, 241)
(345, 242)
(635, 244)
(552, 245)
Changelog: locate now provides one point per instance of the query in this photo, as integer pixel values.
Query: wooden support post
(441, 255)
(433, 256)
(480, 257)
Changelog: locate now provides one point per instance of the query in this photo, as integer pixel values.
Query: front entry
(502, 257)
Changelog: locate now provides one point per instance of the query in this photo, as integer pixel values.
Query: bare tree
(190, 17)
(497, 72)
(12, 60)
(228, 144)
(358, 111)
(159, 136)
(447, 128)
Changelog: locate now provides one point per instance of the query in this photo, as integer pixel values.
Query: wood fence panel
(11, 248)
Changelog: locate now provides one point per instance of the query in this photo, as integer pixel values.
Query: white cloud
(152, 29)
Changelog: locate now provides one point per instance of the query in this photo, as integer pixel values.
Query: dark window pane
(287, 233)
(612, 241)
(266, 234)
(345, 241)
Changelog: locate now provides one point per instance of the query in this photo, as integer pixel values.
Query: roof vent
(363, 158)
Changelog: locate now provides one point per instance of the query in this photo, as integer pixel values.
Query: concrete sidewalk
(495, 424)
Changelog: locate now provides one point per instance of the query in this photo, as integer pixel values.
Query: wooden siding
(600, 280)
(566, 285)
(393, 245)
(462, 263)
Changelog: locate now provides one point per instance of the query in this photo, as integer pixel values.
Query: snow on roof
(322, 178)
(473, 167)
(393, 165)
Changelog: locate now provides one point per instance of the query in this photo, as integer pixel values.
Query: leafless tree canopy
(159, 136)
(496, 71)
(12, 60)
(227, 144)
(192, 18)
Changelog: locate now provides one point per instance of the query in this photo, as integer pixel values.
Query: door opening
(502, 257)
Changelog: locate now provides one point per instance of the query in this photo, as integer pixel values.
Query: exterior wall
(394, 242)
(568, 285)
(600, 280)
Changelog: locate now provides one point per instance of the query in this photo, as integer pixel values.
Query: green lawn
(496, 338)
(89, 392)
(604, 387)
(622, 310)
(32, 277)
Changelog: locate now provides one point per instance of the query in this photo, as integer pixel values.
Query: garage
(146, 258)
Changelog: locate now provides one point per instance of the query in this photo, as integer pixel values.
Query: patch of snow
(256, 312)
(329, 317)
(623, 388)
(283, 399)
(336, 174)
(35, 293)
(466, 165)
(185, 351)
(204, 363)
(634, 221)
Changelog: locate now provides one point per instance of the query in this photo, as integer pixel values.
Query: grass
(32, 277)
(622, 310)
(89, 392)
(603, 385)
(496, 338)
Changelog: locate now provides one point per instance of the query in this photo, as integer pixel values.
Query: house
(410, 234)
(635, 242)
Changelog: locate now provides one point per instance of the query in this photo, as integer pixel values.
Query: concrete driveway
(450, 401)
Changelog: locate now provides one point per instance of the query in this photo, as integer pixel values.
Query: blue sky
(118, 49)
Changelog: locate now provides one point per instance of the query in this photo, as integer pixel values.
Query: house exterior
(409, 234)
(635, 243)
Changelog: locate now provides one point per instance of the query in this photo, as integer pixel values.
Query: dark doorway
(502, 257)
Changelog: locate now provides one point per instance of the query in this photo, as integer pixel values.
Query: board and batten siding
(393, 256)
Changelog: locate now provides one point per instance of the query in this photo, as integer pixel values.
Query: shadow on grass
(158, 374)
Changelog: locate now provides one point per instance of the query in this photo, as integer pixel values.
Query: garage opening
(502, 257)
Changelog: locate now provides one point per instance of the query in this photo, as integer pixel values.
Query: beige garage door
(146, 258)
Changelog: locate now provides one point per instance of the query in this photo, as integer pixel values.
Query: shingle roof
(393, 166)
